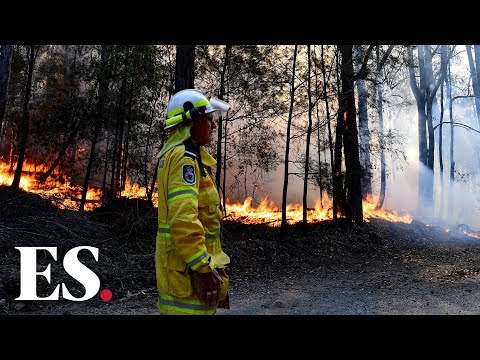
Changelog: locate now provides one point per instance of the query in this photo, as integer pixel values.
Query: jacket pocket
(179, 282)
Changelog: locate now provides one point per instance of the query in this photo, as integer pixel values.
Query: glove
(210, 285)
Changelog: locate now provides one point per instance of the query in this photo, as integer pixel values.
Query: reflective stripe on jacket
(188, 237)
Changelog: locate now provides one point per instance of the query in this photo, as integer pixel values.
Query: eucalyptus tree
(5, 61)
(103, 74)
(31, 54)
(425, 91)
(255, 84)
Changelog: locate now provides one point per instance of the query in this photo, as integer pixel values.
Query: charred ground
(377, 257)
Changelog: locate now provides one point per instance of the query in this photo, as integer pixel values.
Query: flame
(62, 193)
(370, 211)
(67, 196)
(267, 212)
(476, 236)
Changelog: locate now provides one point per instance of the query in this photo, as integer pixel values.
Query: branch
(464, 96)
(362, 73)
(457, 124)
(385, 57)
(443, 72)
(413, 80)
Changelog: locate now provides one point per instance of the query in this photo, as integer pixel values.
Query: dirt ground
(377, 268)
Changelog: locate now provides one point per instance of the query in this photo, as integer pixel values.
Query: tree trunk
(147, 147)
(224, 182)
(452, 161)
(102, 94)
(364, 132)
(383, 177)
(339, 201)
(440, 154)
(444, 59)
(123, 176)
(420, 97)
(24, 127)
(327, 109)
(5, 61)
(112, 192)
(319, 152)
(431, 90)
(429, 174)
(476, 49)
(287, 143)
(105, 169)
(60, 155)
(307, 146)
(221, 94)
(474, 76)
(118, 142)
(12, 148)
(162, 142)
(184, 67)
(117, 184)
(352, 159)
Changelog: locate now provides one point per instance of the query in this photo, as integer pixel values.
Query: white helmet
(182, 102)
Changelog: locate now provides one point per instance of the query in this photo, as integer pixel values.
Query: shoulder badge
(188, 174)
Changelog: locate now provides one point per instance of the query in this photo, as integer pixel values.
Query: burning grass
(267, 212)
(59, 189)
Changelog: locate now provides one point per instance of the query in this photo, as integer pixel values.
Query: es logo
(71, 264)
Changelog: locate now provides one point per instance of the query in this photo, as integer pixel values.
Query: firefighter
(189, 260)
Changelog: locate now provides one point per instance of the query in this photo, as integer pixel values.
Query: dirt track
(421, 279)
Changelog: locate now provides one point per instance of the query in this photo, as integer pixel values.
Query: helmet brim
(207, 111)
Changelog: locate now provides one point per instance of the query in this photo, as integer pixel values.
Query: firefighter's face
(202, 130)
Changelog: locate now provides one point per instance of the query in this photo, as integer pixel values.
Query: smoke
(456, 203)
(461, 200)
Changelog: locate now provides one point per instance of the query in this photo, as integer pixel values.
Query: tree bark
(354, 209)
(118, 142)
(420, 97)
(364, 131)
(105, 169)
(103, 80)
(25, 119)
(440, 151)
(221, 94)
(5, 61)
(319, 152)
(287, 143)
(383, 176)
(123, 176)
(452, 161)
(339, 201)
(444, 59)
(327, 109)
(307, 146)
(474, 76)
(184, 67)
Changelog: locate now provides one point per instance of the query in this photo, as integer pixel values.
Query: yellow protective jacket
(188, 237)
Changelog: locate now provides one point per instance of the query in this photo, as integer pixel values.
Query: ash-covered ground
(332, 268)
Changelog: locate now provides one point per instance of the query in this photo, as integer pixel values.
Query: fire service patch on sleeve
(188, 174)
